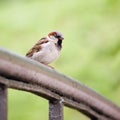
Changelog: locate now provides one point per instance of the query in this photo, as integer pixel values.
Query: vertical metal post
(55, 110)
(3, 102)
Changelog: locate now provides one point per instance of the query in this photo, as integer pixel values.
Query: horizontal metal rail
(21, 73)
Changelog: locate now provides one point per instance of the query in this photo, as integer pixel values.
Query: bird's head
(55, 36)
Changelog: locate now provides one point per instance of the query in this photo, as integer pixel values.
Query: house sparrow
(47, 49)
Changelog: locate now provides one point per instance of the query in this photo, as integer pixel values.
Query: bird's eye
(58, 36)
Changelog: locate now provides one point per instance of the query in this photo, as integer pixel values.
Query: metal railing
(21, 73)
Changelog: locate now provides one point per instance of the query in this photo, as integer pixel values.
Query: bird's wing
(36, 47)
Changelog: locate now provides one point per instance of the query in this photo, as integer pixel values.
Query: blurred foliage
(91, 49)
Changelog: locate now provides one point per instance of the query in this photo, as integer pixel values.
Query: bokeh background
(91, 49)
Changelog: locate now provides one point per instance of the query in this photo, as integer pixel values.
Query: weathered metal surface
(51, 95)
(55, 110)
(32, 72)
(3, 102)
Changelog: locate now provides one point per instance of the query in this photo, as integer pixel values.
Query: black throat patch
(59, 44)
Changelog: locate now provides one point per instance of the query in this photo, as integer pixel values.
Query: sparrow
(47, 49)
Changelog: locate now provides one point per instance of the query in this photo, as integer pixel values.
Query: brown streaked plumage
(36, 47)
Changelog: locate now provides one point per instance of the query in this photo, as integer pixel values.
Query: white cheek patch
(53, 39)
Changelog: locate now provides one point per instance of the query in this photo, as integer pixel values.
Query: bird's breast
(51, 52)
(48, 53)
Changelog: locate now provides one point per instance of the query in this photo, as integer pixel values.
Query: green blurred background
(91, 49)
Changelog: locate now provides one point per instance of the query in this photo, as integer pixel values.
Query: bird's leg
(48, 65)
